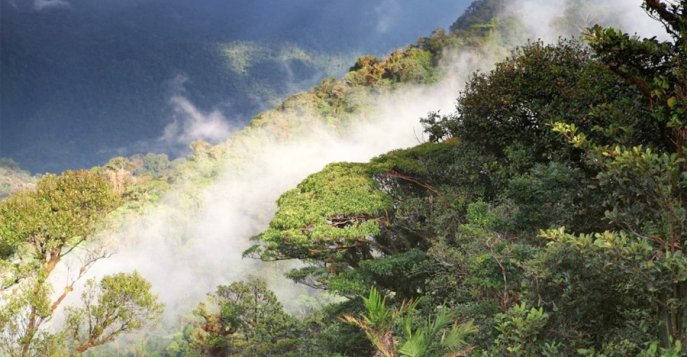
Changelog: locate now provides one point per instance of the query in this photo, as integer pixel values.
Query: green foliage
(647, 184)
(519, 108)
(327, 334)
(548, 196)
(551, 138)
(242, 319)
(592, 284)
(520, 329)
(479, 12)
(654, 349)
(373, 249)
(117, 304)
(477, 271)
(437, 336)
(368, 212)
(656, 68)
(339, 206)
(378, 322)
(61, 212)
(38, 228)
(155, 165)
(411, 65)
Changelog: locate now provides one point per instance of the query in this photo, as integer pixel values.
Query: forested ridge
(84, 81)
(547, 215)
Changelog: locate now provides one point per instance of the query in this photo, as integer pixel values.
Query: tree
(37, 230)
(520, 330)
(330, 219)
(510, 110)
(648, 185)
(352, 226)
(117, 304)
(244, 319)
(479, 12)
(456, 221)
(60, 214)
(656, 68)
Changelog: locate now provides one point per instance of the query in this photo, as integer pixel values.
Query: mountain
(473, 193)
(159, 204)
(13, 178)
(83, 81)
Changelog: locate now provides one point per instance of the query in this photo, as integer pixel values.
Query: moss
(413, 161)
(340, 203)
(347, 206)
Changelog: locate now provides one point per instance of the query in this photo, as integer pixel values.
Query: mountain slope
(546, 217)
(456, 245)
(86, 81)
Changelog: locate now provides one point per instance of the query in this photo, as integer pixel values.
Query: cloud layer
(39, 5)
(187, 249)
(549, 19)
(191, 124)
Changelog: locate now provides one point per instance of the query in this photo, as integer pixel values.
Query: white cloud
(549, 19)
(190, 124)
(186, 251)
(39, 5)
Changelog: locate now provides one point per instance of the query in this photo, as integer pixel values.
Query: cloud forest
(312, 179)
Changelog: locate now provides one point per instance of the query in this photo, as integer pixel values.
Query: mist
(186, 249)
(192, 124)
(549, 19)
(39, 5)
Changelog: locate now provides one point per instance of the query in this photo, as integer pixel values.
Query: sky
(87, 80)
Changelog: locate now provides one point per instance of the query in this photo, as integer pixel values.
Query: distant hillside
(83, 81)
(13, 178)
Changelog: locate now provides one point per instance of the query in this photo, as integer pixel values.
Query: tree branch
(665, 15)
(396, 174)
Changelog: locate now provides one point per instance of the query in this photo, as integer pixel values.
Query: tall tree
(37, 230)
(243, 319)
(648, 186)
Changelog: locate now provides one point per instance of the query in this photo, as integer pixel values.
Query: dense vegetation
(39, 230)
(56, 223)
(545, 216)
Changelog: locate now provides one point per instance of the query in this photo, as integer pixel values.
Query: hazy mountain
(82, 81)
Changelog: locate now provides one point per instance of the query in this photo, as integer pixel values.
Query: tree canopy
(38, 229)
(549, 209)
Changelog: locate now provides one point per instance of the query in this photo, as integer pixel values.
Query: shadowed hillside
(83, 81)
